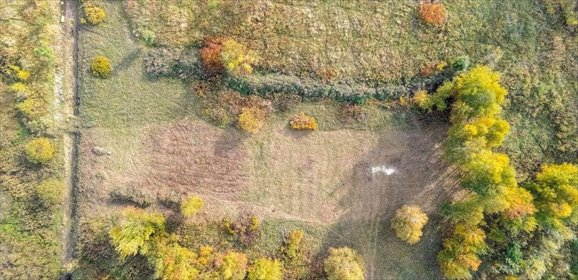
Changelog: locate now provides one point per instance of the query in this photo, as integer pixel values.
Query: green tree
(265, 269)
(134, 230)
(344, 264)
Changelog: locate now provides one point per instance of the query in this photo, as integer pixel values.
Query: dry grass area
(321, 179)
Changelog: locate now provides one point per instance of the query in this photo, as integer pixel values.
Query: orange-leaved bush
(303, 122)
(433, 13)
(211, 56)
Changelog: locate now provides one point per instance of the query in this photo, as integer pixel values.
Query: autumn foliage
(100, 67)
(433, 13)
(211, 56)
(408, 223)
(251, 120)
(303, 122)
(344, 264)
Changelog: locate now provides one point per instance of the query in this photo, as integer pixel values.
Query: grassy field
(320, 182)
(380, 41)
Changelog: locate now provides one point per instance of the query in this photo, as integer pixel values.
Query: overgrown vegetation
(30, 169)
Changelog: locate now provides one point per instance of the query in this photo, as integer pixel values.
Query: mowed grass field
(319, 182)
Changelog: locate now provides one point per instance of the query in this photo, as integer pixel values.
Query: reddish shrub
(211, 56)
(432, 13)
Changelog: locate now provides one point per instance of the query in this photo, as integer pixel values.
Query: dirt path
(66, 90)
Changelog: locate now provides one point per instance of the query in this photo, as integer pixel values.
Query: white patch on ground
(387, 170)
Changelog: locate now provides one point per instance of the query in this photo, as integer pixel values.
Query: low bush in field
(251, 120)
(349, 112)
(303, 122)
(101, 67)
(39, 150)
(432, 13)
(94, 15)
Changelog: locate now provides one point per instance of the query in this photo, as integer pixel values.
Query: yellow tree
(344, 264)
(408, 223)
(134, 230)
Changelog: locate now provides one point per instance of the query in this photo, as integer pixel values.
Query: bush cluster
(433, 13)
(408, 223)
(247, 228)
(237, 58)
(296, 255)
(303, 122)
(101, 67)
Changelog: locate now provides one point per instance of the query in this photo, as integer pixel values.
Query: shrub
(191, 206)
(236, 58)
(94, 15)
(265, 269)
(461, 63)
(408, 223)
(211, 56)
(134, 230)
(39, 150)
(148, 37)
(50, 192)
(432, 13)
(303, 122)
(344, 264)
(233, 266)
(251, 120)
(101, 67)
